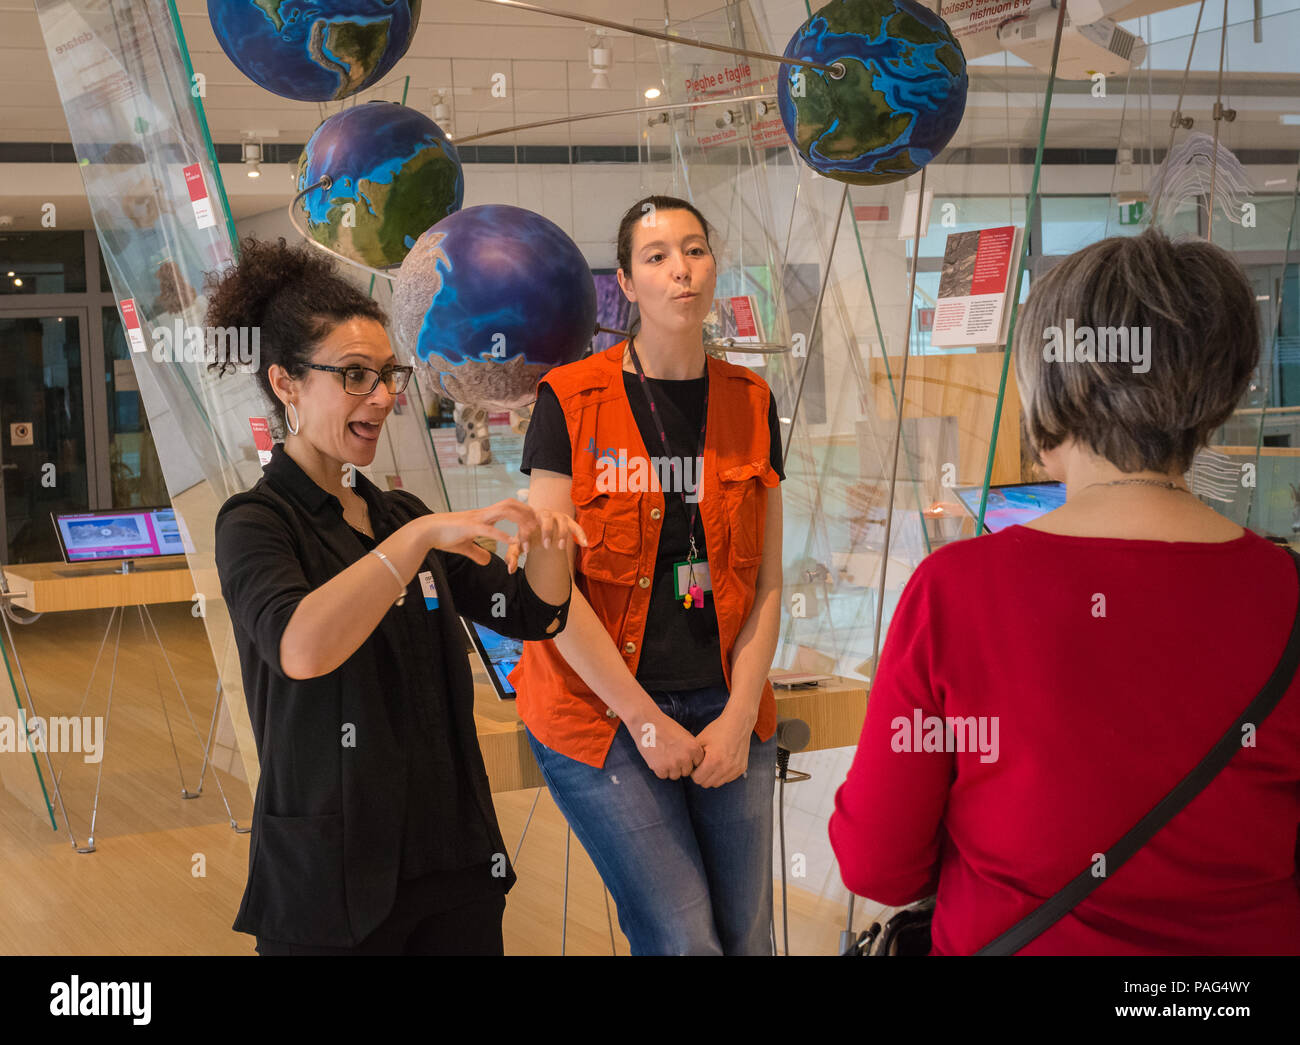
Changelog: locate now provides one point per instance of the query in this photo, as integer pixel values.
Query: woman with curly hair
(373, 826)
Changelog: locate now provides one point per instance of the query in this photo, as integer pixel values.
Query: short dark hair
(1204, 338)
(293, 295)
(638, 211)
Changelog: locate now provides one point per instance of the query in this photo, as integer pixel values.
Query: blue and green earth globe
(899, 102)
(393, 174)
(490, 299)
(316, 51)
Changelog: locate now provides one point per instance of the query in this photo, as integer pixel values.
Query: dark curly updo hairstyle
(293, 295)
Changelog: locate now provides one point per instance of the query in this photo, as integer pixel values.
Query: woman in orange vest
(650, 714)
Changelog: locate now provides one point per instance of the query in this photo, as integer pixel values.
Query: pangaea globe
(898, 102)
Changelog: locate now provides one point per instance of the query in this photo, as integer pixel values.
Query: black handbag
(907, 932)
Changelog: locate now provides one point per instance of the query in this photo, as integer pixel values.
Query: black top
(372, 771)
(680, 647)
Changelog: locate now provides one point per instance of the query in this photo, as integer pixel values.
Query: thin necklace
(1141, 482)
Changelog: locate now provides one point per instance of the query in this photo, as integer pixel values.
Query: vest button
(629, 647)
(644, 582)
(609, 713)
(655, 513)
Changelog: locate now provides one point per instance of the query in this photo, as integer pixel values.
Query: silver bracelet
(393, 569)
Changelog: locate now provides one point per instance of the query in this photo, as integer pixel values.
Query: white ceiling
(461, 43)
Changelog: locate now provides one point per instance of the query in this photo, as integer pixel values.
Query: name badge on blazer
(429, 589)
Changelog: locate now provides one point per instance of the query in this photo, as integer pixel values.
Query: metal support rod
(630, 111)
(898, 428)
(1177, 119)
(1218, 120)
(89, 847)
(31, 706)
(836, 70)
(564, 916)
(817, 314)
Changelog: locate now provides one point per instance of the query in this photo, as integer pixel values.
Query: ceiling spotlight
(652, 92)
(599, 58)
(18, 282)
(253, 158)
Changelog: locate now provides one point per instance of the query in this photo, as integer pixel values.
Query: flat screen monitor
(498, 654)
(125, 533)
(1012, 505)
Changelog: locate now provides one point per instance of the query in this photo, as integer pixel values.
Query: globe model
(393, 173)
(898, 103)
(316, 51)
(491, 298)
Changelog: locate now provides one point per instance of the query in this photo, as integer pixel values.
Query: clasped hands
(717, 755)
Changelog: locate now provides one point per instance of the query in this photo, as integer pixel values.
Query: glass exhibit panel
(1206, 145)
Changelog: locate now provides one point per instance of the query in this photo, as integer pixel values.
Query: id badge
(682, 577)
(429, 589)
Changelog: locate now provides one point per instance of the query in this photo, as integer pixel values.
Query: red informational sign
(925, 319)
(993, 261)
(131, 321)
(743, 309)
(261, 438)
(199, 199)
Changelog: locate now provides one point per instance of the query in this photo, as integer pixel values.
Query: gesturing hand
(548, 527)
(458, 531)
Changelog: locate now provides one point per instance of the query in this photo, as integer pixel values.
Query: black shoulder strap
(1056, 908)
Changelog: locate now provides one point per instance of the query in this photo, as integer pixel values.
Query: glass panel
(134, 469)
(42, 263)
(43, 431)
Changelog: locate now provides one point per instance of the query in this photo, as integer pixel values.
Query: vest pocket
(612, 552)
(746, 505)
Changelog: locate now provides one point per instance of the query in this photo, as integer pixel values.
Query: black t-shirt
(680, 647)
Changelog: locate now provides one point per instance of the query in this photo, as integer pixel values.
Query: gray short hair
(1188, 301)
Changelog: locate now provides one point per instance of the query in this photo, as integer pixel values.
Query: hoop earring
(297, 421)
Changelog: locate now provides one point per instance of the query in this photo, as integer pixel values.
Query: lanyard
(654, 413)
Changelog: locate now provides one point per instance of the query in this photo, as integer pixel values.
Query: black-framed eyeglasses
(362, 380)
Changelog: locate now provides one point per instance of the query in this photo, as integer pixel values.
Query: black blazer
(326, 842)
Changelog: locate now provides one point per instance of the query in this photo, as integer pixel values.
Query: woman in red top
(1099, 651)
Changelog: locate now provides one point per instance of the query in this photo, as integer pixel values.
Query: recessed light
(652, 92)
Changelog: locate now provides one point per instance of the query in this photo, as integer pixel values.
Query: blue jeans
(689, 867)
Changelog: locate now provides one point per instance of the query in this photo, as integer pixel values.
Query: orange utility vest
(615, 570)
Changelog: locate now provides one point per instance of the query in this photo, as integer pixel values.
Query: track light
(600, 59)
(253, 159)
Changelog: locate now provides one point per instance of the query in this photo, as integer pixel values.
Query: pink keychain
(697, 596)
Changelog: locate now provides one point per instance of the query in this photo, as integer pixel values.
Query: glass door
(45, 427)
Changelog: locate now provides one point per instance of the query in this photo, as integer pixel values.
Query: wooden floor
(168, 873)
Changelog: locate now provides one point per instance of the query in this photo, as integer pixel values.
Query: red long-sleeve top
(1111, 667)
